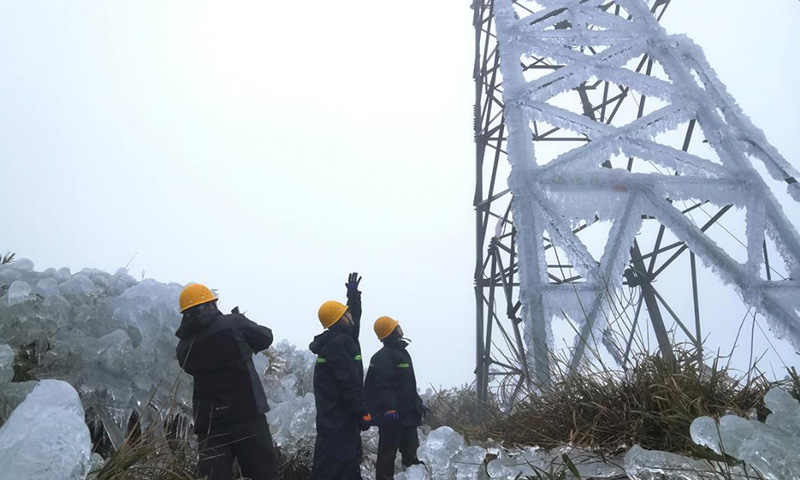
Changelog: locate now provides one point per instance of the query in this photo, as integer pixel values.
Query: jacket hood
(191, 325)
(323, 338)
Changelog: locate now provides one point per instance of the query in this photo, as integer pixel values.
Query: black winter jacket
(339, 374)
(217, 350)
(391, 383)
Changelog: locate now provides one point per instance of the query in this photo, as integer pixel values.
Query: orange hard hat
(384, 326)
(195, 294)
(330, 312)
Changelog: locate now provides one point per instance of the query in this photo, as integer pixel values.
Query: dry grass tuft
(652, 404)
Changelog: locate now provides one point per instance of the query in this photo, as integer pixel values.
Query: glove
(391, 415)
(352, 281)
(366, 422)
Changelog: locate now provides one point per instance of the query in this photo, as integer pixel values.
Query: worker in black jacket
(391, 391)
(338, 389)
(228, 400)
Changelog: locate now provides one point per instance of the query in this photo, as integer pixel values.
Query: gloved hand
(366, 422)
(352, 281)
(391, 415)
(425, 410)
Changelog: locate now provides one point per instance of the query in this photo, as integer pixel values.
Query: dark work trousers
(394, 436)
(337, 456)
(248, 442)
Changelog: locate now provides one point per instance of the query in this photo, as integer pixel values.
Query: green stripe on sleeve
(403, 365)
(321, 360)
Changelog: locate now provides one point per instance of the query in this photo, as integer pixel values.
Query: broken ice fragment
(46, 436)
(468, 462)
(23, 265)
(785, 412)
(79, 284)
(47, 287)
(441, 445)
(18, 292)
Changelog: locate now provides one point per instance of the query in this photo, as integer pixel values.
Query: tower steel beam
(572, 102)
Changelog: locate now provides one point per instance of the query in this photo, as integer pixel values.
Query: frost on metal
(623, 172)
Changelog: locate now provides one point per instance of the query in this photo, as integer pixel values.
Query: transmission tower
(641, 207)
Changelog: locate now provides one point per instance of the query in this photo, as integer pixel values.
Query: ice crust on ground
(46, 437)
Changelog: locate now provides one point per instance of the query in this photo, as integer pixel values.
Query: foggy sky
(269, 148)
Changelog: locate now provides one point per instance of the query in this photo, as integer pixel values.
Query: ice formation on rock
(576, 187)
(438, 451)
(46, 437)
(767, 450)
(769, 447)
(110, 336)
(288, 383)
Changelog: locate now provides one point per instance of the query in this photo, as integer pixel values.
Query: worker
(391, 391)
(228, 399)
(338, 389)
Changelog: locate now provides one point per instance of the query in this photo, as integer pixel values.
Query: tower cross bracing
(626, 160)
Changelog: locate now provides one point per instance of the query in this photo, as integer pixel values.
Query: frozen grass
(157, 448)
(652, 404)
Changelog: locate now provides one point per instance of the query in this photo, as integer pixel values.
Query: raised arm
(354, 302)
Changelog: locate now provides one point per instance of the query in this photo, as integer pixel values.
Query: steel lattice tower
(628, 163)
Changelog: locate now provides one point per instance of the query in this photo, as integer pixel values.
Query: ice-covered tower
(641, 206)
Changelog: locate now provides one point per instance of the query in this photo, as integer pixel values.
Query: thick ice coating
(552, 196)
(110, 336)
(769, 447)
(45, 437)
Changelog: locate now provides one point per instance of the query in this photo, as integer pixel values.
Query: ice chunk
(414, 472)
(47, 287)
(785, 412)
(6, 363)
(437, 452)
(123, 275)
(46, 437)
(63, 274)
(770, 448)
(79, 284)
(641, 464)
(9, 275)
(705, 432)
(292, 423)
(18, 292)
(115, 344)
(469, 462)
(23, 265)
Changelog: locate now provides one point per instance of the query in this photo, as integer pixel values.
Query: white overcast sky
(268, 148)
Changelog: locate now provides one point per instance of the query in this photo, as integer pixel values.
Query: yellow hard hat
(195, 294)
(385, 326)
(330, 312)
